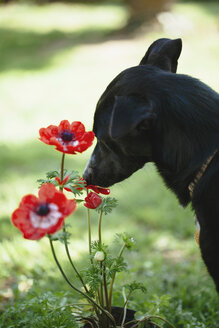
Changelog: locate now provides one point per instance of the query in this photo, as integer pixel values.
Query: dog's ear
(130, 113)
(163, 53)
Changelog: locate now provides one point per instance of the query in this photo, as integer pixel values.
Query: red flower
(92, 200)
(82, 182)
(36, 217)
(68, 138)
(99, 190)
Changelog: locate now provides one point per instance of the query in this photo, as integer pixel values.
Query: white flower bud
(99, 256)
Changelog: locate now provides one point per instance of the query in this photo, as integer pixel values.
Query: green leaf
(61, 236)
(107, 205)
(96, 246)
(129, 241)
(134, 285)
(52, 174)
(73, 189)
(79, 200)
(92, 276)
(117, 264)
(74, 183)
(42, 181)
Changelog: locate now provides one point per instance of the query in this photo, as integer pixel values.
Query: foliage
(135, 286)
(73, 183)
(47, 310)
(107, 205)
(129, 241)
(61, 235)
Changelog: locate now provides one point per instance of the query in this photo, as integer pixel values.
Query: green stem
(158, 317)
(99, 227)
(98, 297)
(125, 306)
(101, 265)
(70, 260)
(101, 290)
(105, 289)
(138, 322)
(64, 230)
(75, 288)
(62, 169)
(156, 324)
(113, 278)
(89, 233)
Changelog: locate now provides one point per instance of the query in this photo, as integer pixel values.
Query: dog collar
(200, 174)
(197, 231)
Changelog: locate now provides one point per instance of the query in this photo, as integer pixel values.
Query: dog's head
(125, 116)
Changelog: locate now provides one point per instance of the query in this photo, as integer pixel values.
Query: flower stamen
(43, 210)
(68, 136)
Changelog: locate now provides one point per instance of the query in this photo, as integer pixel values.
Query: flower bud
(92, 200)
(99, 256)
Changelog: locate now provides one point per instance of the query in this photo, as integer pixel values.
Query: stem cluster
(99, 307)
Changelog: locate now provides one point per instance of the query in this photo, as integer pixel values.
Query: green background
(55, 61)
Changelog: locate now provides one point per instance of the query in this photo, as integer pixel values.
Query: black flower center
(43, 209)
(67, 135)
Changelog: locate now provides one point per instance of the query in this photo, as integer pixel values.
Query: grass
(55, 62)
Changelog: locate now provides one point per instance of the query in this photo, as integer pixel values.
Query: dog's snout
(87, 175)
(89, 170)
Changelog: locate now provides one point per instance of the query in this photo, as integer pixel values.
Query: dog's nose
(87, 175)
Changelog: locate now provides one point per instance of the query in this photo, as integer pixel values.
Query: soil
(117, 313)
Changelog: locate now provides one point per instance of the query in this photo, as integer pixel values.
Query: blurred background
(56, 59)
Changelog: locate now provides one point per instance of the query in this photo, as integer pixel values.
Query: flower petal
(58, 180)
(78, 128)
(66, 207)
(55, 142)
(52, 136)
(47, 133)
(99, 190)
(47, 192)
(34, 234)
(53, 130)
(92, 200)
(64, 125)
(56, 227)
(31, 224)
(28, 202)
(18, 216)
(65, 179)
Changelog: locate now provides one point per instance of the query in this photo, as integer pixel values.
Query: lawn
(55, 61)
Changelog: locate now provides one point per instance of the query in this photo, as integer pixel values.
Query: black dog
(150, 114)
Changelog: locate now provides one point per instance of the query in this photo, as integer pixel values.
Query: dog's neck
(200, 173)
(179, 181)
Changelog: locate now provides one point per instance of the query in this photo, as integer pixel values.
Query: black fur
(150, 114)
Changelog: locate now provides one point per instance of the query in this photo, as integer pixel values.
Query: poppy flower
(37, 216)
(99, 190)
(67, 138)
(92, 200)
